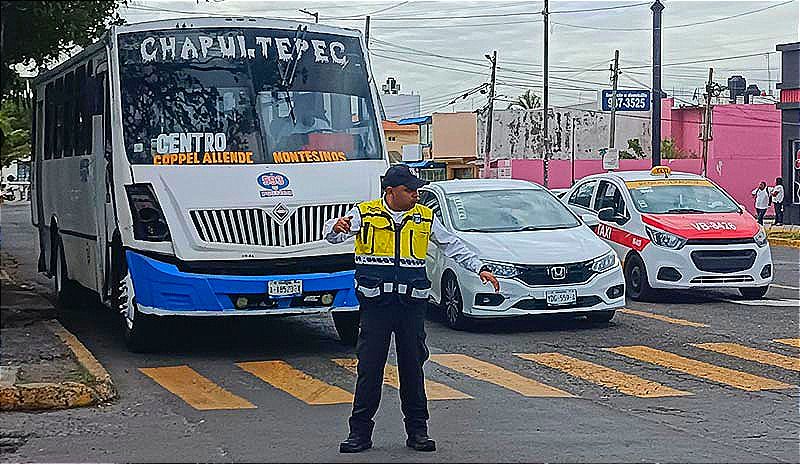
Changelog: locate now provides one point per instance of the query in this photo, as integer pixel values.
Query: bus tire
(67, 292)
(140, 329)
(347, 323)
(636, 283)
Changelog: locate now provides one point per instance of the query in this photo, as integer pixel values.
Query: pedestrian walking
(762, 201)
(776, 193)
(392, 235)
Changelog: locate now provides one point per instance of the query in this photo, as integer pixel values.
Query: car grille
(533, 304)
(576, 273)
(255, 226)
(723, 261)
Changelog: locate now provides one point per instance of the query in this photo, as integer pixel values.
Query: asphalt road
(635, 389)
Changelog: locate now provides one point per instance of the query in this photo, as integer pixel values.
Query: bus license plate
(285, 287)
(561, 297)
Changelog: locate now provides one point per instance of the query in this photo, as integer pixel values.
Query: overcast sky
(581, 47)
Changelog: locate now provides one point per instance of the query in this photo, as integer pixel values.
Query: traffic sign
(627, 100)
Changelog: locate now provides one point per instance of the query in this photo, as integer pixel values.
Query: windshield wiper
(288, 73)
(684, 210)
(521, 229)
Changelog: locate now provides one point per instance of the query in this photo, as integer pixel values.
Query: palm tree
(527, 101)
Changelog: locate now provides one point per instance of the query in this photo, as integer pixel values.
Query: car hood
(705, 226)
(538, 246)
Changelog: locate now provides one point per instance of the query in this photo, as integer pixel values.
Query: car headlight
(761, 238)
(605, 262)
(501, 269)
(665, 239)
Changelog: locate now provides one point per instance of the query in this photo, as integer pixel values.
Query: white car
(548, 261)
(675, 230)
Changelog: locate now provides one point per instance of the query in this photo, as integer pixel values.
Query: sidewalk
(42, 365)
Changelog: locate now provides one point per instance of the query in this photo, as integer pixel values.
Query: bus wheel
(636, 279)
(140, 333)
(65, 290)
(346, 323)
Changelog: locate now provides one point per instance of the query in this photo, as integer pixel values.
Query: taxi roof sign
(661, 171)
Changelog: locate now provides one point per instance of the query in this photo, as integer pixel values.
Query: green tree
(34, 33)
(15, 123)
(526, 101)
(671, 150)
(634, 150)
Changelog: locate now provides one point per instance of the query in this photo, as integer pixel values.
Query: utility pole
(366, 32)
(487, 149)
(614, 81)
(546, 155)
(707, 119)
(315, 14)
(655, 142)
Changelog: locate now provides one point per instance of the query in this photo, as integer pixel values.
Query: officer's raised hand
(487, 276)
(343, 225)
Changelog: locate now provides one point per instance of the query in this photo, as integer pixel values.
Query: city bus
(187, 167)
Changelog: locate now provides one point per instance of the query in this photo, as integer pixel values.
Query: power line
(599, 9)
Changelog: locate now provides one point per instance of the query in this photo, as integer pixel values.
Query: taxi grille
(723, 261)
(576, 273)
(255, 226)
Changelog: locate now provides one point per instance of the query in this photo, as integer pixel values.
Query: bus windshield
(242, 96)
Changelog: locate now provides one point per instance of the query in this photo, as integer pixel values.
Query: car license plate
(561, 297)
(285, 287)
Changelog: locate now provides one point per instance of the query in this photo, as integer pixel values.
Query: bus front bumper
(161, 288)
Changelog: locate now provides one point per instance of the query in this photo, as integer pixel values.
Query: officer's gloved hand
(343, 225)
(487, 276)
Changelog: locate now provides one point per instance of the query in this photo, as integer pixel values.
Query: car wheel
(636, 282)
(600, 316)
(346, 323)
(754, 293)
(452, 303)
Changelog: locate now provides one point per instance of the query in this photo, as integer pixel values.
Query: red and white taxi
(675, 230)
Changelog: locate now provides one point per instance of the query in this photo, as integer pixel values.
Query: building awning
(393, 126)
(425, 164)
(420, 120)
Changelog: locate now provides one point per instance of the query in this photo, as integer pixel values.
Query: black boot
(355, 444)
(421, 442)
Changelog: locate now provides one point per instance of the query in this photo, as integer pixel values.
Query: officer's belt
(372, 260)
(389, 287)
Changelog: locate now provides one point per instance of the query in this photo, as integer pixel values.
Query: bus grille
(255, 226)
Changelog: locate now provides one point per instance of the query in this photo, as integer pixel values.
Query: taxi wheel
(453, 303)
(754, 293)
(636, 284)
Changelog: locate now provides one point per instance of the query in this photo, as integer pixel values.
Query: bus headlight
(665, 239)
(149, 223)
(761, 238)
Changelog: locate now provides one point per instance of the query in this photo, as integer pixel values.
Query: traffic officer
(392, 235)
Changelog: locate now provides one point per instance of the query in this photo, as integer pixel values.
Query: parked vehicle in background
(547, 260)
(676, 230)
(178, 164)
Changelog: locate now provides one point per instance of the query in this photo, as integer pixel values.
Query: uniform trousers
(380, 317)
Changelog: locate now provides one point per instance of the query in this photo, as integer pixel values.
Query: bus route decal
(308, 156)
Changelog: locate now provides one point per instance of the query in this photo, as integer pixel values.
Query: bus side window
(68, 126)
(49, 119)
(58, 100)
(106, 114)
(82, 145)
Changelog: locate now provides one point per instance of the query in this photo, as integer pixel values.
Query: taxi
(675, 230)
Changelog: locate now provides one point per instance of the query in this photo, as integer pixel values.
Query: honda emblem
(558, 272)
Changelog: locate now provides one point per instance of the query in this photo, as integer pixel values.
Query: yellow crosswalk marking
(660, 317)
(789, 341)
(196, 390)
(752, 354)
(297, 383)
(737, 379)
(487, 372)
(391, 377)
(625, 383)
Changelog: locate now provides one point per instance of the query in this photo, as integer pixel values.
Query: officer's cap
(400, 174)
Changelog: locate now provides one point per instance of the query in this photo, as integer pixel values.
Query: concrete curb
(38, 396)
(784, 242)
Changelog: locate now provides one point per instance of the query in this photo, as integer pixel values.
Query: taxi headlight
(605, 262)
(501, 269)
(665, 239)
(761, 238)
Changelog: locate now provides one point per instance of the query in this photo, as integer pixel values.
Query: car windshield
(508, 211)
(680, 196)
(219, 96)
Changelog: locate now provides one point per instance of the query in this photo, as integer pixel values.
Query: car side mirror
(590, 220)
(606, 214)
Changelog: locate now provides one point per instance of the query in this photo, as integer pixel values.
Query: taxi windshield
(680, 197)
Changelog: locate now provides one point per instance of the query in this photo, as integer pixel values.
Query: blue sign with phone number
(628, 100)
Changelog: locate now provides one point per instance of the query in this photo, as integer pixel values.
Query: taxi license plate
(561, 297)
(285, 287)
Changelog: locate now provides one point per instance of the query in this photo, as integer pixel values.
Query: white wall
(399, 107)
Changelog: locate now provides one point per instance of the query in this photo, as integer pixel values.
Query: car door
(580, 200)
(610, 195)
(434, 263)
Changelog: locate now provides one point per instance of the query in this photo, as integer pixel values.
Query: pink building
(745, 149)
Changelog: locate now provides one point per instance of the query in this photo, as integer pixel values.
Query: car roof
(471, 185)
(641, 175)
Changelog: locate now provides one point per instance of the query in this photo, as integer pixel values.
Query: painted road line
(737, 379)
(196, 390)
(752, 354)
(488, 372)
(795, 342)
(297, 383)
(778, 302)
(434, 390)
(671, 320)
(625, 383)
